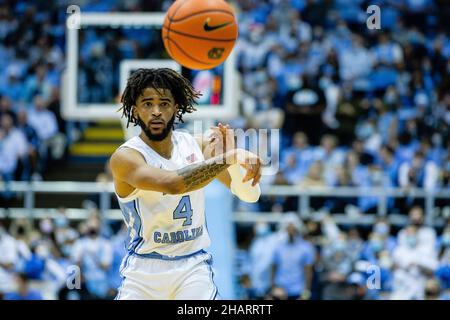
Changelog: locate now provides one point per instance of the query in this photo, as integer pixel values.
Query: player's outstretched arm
(216, 143)
(223, 138)
(130, 170)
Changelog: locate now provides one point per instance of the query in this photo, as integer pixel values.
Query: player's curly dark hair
(161, 78)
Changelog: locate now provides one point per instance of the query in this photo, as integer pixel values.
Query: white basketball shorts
(189, 278)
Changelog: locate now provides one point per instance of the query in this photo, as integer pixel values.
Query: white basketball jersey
(170, 225)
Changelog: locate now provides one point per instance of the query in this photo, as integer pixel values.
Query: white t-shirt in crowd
(11, 252)
(16, 143)
(44, 122)
(409, 276)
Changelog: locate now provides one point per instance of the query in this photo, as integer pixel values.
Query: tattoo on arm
(198, 175)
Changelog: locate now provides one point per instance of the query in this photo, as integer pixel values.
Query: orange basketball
(199, 34)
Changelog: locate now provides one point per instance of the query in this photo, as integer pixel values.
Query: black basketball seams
(198, 37)
(170, 22)
(199, 12)
(186, 54)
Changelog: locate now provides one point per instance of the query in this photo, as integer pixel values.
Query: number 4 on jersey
(184, 211)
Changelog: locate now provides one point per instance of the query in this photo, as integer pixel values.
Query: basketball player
(159, 176)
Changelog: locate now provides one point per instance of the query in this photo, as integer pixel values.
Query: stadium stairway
(86, 159)
(97, 143)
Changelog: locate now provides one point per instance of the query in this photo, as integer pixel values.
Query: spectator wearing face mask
(8, 160)
(390, 166)
(337, 261)
(13, 146)
(418, 173)
(355, 243)
(297, 159)
(12, 254)
(413, 265)
(314, 177)
(426, 236)
(42, 269)
(261, 252)
(379, 240)
(331, 156)
(44, 122)
(30, 162)
(94, 255)
(292, 262)
(64, 233)
(378, 251)
(252, 51)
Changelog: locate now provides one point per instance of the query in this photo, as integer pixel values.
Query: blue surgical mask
(340, 245)
(61, 222)
(324, 83)
(446, 239)
(381, 229)
(261, 230)
(411, 241)
(376, 245)
(294, 82)
(366, 131)
(66, 249)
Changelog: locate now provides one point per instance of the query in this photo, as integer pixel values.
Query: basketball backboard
(108, 46)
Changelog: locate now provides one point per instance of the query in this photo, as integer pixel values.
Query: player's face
(156, 113)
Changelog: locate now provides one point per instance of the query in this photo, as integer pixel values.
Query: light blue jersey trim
(138, 208)
(122, 271)
(155, 255)
(132, 208)
(208, 263)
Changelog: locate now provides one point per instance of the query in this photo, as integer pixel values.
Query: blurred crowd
(56, 258)
(295, 259)
(356, 107)
(317, 259)
(32, 132)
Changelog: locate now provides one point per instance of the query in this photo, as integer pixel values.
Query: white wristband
(243, 190)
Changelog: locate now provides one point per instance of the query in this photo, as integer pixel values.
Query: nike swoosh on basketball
(207, 27)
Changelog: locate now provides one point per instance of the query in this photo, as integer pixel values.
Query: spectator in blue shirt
(298, 158)
(30, 161)
(389, 164)
(13, 88)
(419, 173)
(331, 156)
(387, 52)
(94, 254)
(292, 262)
(23, 291)
(261, 251)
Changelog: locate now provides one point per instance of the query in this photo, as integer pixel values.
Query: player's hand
(220, 141)
(252, 163)
(224, 135)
